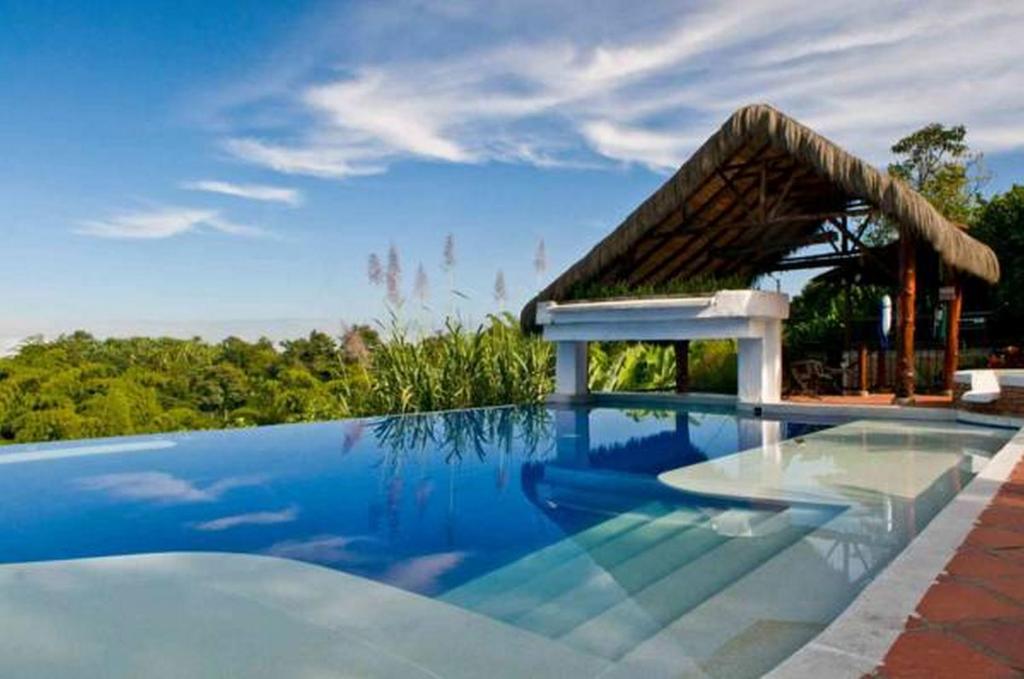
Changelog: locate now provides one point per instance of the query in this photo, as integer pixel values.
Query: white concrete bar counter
(751, 316)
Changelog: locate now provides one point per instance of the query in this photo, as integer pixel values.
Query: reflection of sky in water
(421, 502)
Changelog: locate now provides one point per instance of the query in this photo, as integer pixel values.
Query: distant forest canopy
(78, 386)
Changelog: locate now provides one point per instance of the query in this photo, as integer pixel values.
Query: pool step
(617, 581)
(470, 594)
(536, 586)
(620, 628)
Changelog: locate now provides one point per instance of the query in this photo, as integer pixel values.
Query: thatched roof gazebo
(761, 188)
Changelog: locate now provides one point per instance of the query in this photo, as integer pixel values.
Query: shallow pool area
(566, 541)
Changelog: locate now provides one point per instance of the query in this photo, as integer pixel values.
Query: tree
(937, 163)
(1000, 224)
(221, 389)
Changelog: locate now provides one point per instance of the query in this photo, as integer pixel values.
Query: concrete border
(785, 409)
(857, 412)
(856, 642)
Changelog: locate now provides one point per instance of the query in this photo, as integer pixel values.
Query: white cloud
(161, 487)
(314, 160)
(658, 150)
(327, 549)
(272, 194)
(164, 223)
(643, 83)
(249, 519)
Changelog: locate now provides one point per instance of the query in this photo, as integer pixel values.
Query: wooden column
(682, 348)
(952, 357)
(880, 375)
(907, 317)
(862, 369)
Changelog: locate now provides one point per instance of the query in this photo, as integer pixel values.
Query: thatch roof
(701, 222)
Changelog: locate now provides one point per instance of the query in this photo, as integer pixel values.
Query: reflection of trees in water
(653, 453)
(526, 433)
(520, 431)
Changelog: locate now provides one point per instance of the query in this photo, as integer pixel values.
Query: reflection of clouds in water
(420, 573)
(325, 549)
(57, 453)
(162, 487)
(250, 519)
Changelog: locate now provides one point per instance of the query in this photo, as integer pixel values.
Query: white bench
(984, 387)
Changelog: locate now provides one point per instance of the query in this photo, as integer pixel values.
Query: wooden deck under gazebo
(760, 189)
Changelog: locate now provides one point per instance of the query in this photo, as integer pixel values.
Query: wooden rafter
(687, 267)
(696, 232)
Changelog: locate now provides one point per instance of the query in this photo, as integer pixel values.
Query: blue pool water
(645, 538)
(422, 502)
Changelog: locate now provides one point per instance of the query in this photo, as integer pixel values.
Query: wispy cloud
(164, 223)
(543, 85)
(249, 519)
(270, 194)
(161, 487)
(326, 549)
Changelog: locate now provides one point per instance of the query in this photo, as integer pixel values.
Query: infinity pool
(567, 541)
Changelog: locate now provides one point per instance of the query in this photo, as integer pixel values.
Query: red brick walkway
(970, 623)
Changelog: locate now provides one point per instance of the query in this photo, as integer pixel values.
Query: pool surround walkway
(971, 621)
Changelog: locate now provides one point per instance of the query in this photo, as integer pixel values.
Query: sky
(194, 167)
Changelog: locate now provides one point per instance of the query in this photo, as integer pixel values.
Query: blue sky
(214, 167)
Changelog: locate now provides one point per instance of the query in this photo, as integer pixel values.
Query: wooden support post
(952, 357)
(907, 318)
(682, 348)
(880, 373)
(847, 306)
(862, 368)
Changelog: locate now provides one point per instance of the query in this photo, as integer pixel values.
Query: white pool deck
(229, 615)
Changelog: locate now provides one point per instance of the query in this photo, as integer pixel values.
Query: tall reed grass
(460, 368)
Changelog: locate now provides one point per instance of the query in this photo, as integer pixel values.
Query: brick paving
(970, 623)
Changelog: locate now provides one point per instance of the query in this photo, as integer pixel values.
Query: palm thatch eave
(672, 232)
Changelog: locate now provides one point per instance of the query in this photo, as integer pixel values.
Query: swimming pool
(655, 540)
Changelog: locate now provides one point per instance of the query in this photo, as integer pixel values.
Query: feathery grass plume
(540, 261)
(448, 266)
(374, 271)
(500, 290)
(353, 345)
(421, 285)
(448, 261)
(393, 277)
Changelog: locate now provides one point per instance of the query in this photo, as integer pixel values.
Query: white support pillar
(759, 366)
(571, 368)
(572, 435)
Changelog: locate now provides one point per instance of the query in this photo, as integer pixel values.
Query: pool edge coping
(856, 642)
(785, 409)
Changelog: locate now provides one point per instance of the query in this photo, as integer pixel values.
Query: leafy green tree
(937, 162)
(1000, 224)
(220, 389)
